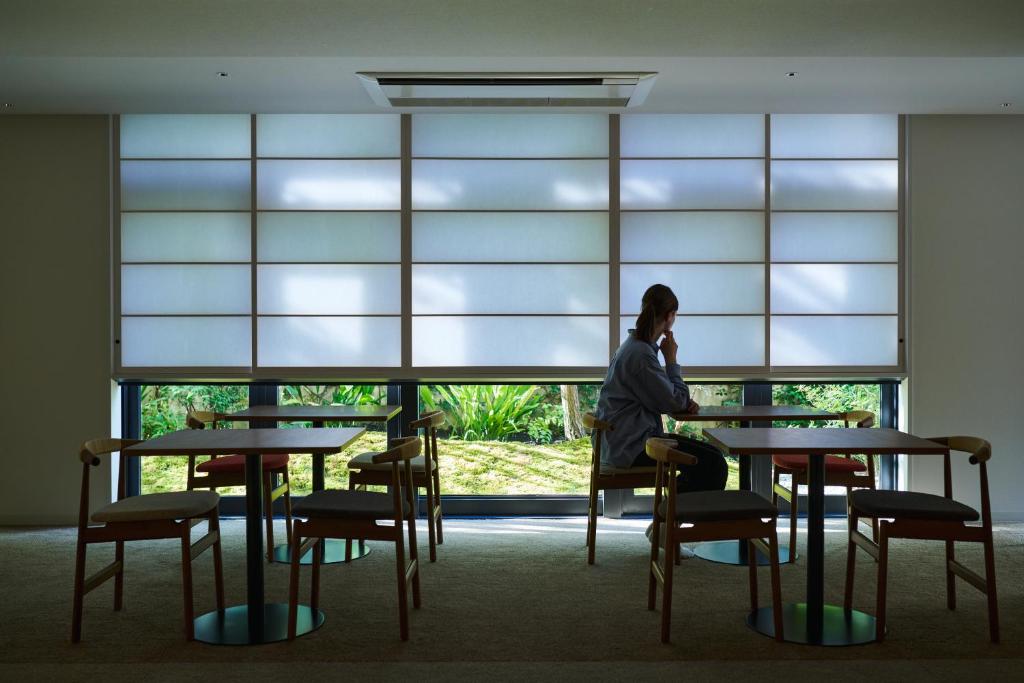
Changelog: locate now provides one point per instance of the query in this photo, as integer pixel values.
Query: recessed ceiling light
(791, 74)
(223, 74)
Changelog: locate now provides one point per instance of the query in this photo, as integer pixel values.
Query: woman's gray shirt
(637, 391)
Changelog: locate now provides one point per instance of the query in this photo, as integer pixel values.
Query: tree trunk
(572, 419)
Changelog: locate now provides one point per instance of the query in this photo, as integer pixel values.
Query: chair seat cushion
(364, 461)
(833, 463)
(154, 506)
(720, 506)
(910, 505)
(337, 504)
(236, 463)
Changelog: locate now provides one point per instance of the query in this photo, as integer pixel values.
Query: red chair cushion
(833, 463)
(236, 463)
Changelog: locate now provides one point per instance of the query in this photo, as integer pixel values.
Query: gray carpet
(507, 599)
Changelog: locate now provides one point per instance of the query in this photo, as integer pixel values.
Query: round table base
(333, 553)
(231, 626)
(839, 626)
(735, 552)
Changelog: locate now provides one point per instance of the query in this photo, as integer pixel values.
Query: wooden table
(735, 552)
(814, 622)
(331, 550)
(256, 621)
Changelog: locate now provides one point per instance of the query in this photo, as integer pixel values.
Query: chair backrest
(89, 454)
(668, 456)
(597, 429)
(980, 452)
(861, 418)
(198, 419)
(400, 453)
(429, 422)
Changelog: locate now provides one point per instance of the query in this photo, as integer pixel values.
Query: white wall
(54, 312)
(967, 299)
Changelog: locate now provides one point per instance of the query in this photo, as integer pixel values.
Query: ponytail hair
(657, 303)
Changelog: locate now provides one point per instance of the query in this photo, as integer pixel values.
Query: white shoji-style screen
(496, 246)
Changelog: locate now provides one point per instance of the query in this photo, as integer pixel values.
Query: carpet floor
(507, 599)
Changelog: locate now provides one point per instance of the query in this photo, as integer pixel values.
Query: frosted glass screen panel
(186, 342)
(317, 184)
(509, 135)
(736, 289)
(510, 341)
(686, 135)
(714, 341)
(862, 236)
(185, 237)
(520, 288)
(329, 236)
(330, 342)
(185, 135)
(510, 184)
(862, 185)
(835, 136)
(521, 236)
(801, 341)
(328, 135)
(193, 185)
(692, 184)
(176, 289)
(329, 289)
(835, 288)
(692, 236)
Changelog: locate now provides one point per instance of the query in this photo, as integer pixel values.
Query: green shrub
(481, 412)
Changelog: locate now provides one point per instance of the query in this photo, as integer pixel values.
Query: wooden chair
(604, 477)
(148, 517)
(908, 514)
(706, 516)
(839, 471)
(354, 514)
(229, 470)
(363, 472)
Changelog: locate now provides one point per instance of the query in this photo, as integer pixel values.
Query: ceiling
(906, 56)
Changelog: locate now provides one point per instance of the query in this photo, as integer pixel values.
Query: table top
(248, 441)
(361, 413)
(752, 413)
(781, 441)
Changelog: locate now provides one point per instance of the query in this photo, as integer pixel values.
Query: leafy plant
(332, 394)
(482, 412)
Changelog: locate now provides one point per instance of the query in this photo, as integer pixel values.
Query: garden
(497, 439)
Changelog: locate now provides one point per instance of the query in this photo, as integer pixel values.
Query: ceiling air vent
(620, 90)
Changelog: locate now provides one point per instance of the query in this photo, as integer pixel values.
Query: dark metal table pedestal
(231, 626)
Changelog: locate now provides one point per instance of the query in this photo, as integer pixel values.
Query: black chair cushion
(337, 504)
(720, 506)
(910, 505)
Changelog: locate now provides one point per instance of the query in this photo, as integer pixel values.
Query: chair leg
(293, 584)
(348, 541)
(403, 598)
(218, 560)
(883, 566)
(773, 546)
(775, 482)
(314, 583)
(950, 576)
(119, 577)
(592, 524)
(666, 590)
(752, 571)
(287, 507)
(186, 579)
(268, 512)
(652, 581)
(437, 506)
(990, 589)
(414, 556)
(431, 528)
(794, 511)
(76, 606)
(851, 560)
